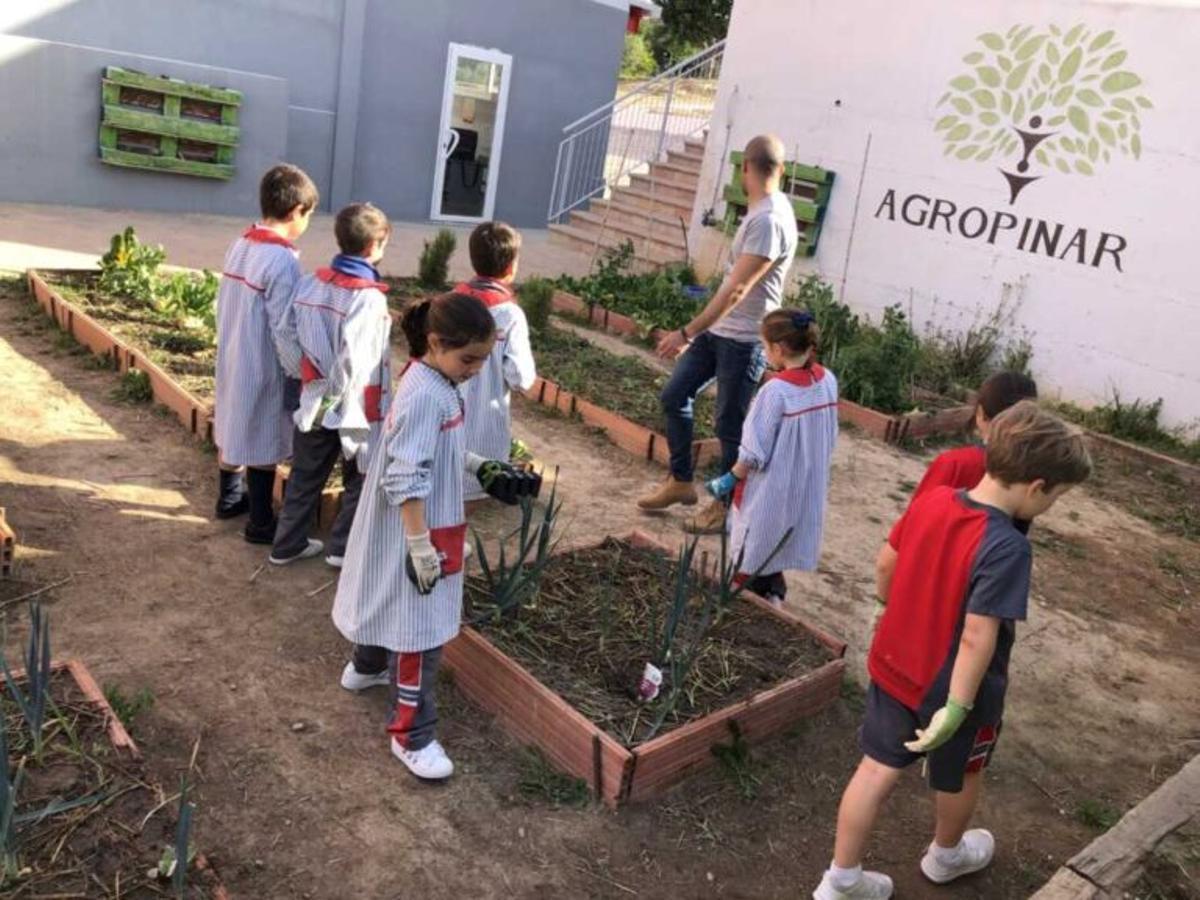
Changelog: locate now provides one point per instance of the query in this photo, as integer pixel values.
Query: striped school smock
(787, 442)
(420, 456)
(343, 325)
(510, 367)
(256, 348)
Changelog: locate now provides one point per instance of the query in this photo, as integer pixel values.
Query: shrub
(877, 369)
(130, 268)
(952, 361)
(536, 297)
(434, 266)
(636, 59)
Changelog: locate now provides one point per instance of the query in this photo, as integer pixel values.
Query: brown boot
(710, 520)
(669, 493)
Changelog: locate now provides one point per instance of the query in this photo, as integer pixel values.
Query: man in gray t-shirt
(723, 341)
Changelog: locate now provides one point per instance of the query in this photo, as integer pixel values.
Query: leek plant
(37, 675)
(8, 802)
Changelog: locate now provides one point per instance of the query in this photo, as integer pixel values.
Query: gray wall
(565, 59)
(296, 40)
(49, 149)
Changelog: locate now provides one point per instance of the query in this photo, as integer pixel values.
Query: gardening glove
(501, 480)
(422, 563)
(722, 487)
(942, 726)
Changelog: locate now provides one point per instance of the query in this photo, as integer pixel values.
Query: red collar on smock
(802, 376)
(492, 293)
(342, 280)
(261, 235)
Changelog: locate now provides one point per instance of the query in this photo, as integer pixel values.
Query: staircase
(629, 170)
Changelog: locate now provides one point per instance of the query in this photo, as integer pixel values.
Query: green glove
(942, 726)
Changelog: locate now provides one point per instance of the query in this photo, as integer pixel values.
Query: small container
(651, 683)
(695, 292)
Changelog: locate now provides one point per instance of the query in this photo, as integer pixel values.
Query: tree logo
(1066, 100)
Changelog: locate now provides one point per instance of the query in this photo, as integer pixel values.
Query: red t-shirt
(954, 556)
(963, 467)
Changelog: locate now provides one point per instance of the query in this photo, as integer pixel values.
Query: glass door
(474, 101)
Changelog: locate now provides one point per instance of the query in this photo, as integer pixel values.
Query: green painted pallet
(808, 188)
(167, 125)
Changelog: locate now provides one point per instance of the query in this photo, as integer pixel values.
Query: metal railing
(602, 149)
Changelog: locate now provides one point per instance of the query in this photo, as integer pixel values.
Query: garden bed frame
(887, 427)
(535, 714)
(8, 545)
(331, 497)
(193, 413)
(120, 738)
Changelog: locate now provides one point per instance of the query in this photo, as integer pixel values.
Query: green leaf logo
(1061, 98)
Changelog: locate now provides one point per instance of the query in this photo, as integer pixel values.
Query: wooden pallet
(166, 125)
(808, 187)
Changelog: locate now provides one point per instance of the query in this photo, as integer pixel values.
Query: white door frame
(443, 136)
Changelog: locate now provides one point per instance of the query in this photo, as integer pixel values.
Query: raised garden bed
(619, 394)
(179, 368)
(85, 815)
(8, 545)
(331, 494)
(562, 674)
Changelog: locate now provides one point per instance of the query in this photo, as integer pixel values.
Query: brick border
(533, 713)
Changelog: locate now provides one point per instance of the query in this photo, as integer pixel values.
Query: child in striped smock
(342, 323)
(494, 248)
(781, 478)
(399, 598)
(257, 350)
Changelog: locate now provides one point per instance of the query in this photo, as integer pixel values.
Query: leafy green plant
(134, 387)
(130, 268)
(37, 674)
(636, 59)
(1136, 421)
(510, 583)
(9, 788)
(954, 361)
(536, 297)
(128, 706)
(433, 268)
(878, 368)
(190, 299)
(1097, 815)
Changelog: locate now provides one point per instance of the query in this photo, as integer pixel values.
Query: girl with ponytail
(781, 478)
(399, 598)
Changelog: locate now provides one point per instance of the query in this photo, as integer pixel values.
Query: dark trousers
(414, 708)
(737, 367)
(765, 585)
(313, 456)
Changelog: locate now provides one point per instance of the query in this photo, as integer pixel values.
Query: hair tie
(801, 320)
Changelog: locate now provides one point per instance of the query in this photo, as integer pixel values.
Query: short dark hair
(285, 187)
(358, 225)
(764, 154)
(796, 329)
(493, 247)
(1026, 443)
(458, 319)
(1004, 389)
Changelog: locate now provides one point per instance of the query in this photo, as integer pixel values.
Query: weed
(1073, 515)
(64, 343)
(188, 343)
(1097, 815)
(134, 387)
(1136, 421)
(99, 362)
(536, 297)
(434, 266)
(541, 781)
(128, 707)
(906, 485)
(953, 361)
(853, 695)
(735, 761)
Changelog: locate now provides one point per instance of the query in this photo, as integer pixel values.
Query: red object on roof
(636, 14)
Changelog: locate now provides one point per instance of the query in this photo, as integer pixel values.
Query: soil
(402, 292)
(298, 796)
(620, 383)
(189, 356)
(121, 825)
(600, 616)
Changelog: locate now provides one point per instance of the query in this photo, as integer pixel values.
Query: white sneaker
(974, 853)
(353, 680)
(430, 763)
(334, 560)
(775, 600)
(314, 548)
(871, 886)
(467, 550)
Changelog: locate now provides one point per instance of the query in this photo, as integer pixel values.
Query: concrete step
(648, 230)
(689, 161)
(663, 206)
(646, 254)
(659, 190)
(640, 218)
(675, 175)
(695, 146)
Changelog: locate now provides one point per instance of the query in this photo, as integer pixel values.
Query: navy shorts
(889, 723)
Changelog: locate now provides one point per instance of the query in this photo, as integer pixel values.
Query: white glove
(472, 462)
(424, 565)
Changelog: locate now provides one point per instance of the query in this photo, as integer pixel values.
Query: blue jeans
(737, 367)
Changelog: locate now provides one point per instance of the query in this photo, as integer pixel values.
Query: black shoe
(259, 534)
(238, 508)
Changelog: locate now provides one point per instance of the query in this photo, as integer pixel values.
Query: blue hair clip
(801, 320)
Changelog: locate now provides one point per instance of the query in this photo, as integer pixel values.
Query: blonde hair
(1026, 444)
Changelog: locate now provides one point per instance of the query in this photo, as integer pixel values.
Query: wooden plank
(794, 170)
(1114, 860)
(805, 211)
(1066, 885)
(173, 86)
(163, 164)
(170, 125)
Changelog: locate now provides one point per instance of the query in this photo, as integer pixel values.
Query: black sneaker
(259, 534)
(238, 508)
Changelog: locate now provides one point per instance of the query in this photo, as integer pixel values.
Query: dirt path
(1103, 703)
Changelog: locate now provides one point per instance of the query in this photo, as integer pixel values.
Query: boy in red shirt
(955, 572)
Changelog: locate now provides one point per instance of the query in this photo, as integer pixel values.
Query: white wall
(832, 78)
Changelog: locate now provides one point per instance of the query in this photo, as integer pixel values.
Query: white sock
(946, 855)
(844, 878)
